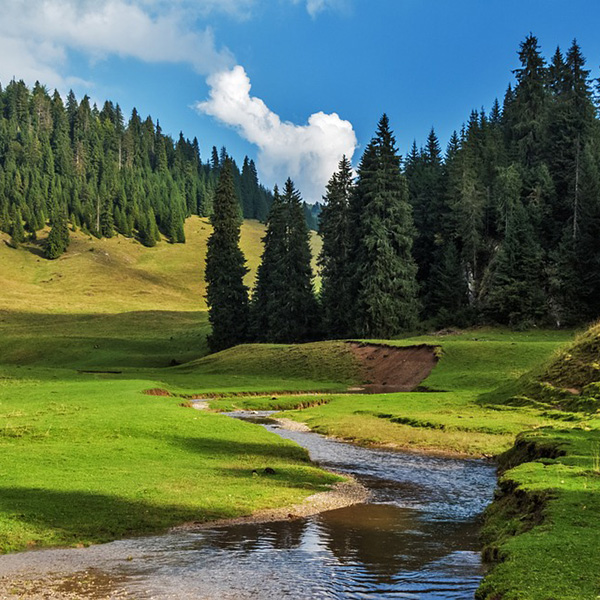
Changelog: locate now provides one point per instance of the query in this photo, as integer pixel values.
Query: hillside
(569, 380)
(117, 274)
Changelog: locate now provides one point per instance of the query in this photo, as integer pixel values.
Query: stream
(416, 538)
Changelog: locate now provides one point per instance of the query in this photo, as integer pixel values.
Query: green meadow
(88, 457)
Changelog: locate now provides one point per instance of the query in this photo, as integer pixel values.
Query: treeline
(505, 226)
(502, 228)
(507, 222)
(72, 162)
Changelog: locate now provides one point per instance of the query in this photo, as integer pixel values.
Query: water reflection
(416, 539)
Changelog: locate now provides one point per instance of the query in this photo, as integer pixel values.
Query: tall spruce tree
(271, 277)
(283, 304)
(227, 295)
(300, 315)
(516, 296)
(334, 229)
(384, 270)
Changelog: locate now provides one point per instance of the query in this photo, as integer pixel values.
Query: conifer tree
(334, 229)
(283, 303)
(58, 238)
(300, 318)
(271, 277)
(17, 232)
(227, 295)
(385, 272)
(516, 295)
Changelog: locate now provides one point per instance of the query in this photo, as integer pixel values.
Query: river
(416, 538)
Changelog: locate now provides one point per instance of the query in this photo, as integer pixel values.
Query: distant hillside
(117, 274)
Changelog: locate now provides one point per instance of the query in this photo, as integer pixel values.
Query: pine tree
(271, 277)
(385, 272)
(300, 316)
(516, 295)
(58, 238)
(227, 296)
(448, 293)
(17, 232)
(334, 229)
(284, 306)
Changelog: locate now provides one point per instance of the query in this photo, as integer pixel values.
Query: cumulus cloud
(309, 154)
(36, 35)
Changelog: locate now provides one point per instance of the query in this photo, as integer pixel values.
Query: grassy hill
(117, 274)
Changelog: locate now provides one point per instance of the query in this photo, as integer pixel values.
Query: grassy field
(85, 456)
(542, 533)
(449, 418)
(117, 274)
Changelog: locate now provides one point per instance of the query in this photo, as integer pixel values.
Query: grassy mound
(569, 381)
(542, 533)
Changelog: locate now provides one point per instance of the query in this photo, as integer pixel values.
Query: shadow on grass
(140, 339)
(68, 517)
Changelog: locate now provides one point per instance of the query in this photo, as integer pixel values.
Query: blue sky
(424, 62)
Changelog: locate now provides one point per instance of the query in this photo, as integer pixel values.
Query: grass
(450, 418)
(88, 461)
(85, 456)
(542, 532)
(117, 274)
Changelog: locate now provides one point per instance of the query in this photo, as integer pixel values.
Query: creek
(416, 538)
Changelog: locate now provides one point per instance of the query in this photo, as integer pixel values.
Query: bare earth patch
(393, 368)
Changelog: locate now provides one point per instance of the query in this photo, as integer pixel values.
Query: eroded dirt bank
(394, 368)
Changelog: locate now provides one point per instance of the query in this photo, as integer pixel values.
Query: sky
(293, 84)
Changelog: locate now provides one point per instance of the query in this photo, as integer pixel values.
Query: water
(417, 538)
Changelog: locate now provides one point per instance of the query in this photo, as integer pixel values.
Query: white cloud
(36, 35)
(314, 7)
(309, 154)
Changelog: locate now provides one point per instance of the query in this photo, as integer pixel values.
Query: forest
(74, 164)
(501, 227)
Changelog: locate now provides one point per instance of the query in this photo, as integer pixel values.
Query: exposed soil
(157, 392)
(393, 368)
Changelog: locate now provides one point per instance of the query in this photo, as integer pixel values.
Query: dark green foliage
(448, 292)
(334, 260)
(58, 238)
(512, 215)
(384, 272)
(516, 296)
(227, 296)
(283, 305)
(112, 177)
(17, 232)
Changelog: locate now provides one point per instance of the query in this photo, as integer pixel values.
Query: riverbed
(415, 538)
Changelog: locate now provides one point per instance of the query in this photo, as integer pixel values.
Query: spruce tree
(227, 295)
(271, 276)
(516, 295)
(299, 318)
(17, 232)
(384, 270)
(58, 238)
(334, 229)
(283, 303)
